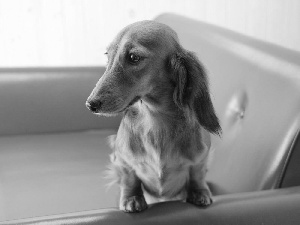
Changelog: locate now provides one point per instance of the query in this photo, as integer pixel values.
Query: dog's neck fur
(158, 110)
(163, 122)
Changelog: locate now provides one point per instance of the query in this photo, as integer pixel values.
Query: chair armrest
(36, 100)
(280, 206)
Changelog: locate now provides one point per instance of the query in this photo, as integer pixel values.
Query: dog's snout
(93, 105)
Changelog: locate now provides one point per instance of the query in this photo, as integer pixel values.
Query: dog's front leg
(132, 198)
(198, 191)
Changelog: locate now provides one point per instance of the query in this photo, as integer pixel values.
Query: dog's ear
(191, 89)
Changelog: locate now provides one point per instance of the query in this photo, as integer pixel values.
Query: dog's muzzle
(93, 106)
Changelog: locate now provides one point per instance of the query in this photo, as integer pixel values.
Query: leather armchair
(53, 150)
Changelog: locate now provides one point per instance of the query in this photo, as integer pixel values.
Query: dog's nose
(93, 106)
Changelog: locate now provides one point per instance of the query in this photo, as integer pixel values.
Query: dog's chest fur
(160, 152)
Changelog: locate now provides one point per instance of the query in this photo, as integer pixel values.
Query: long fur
(162, 145)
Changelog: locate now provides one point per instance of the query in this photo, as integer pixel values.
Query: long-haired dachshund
(163, 142)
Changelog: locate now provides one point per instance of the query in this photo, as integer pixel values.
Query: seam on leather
(287, 160)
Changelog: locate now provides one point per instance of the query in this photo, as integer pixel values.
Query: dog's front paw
(133, 204)
(200, 197)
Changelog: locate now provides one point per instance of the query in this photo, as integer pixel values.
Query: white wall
(76, 32)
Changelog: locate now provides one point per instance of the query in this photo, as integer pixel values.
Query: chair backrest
(255, 88)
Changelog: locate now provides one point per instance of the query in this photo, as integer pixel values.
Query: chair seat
(58, 173)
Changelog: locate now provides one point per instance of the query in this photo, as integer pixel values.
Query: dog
(163, 141)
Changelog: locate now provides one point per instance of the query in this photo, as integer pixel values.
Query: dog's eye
(133, 58)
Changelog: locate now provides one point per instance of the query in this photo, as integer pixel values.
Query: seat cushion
(53, 174)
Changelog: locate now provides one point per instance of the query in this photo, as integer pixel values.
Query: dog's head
(146, 61)
(135, 58)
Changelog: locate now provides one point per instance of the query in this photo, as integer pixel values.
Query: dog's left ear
(191, 89)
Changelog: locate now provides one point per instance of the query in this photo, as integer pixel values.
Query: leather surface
(48, 100)
(275, 207)
(291, 176)
(256, 92)
(51, 174)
